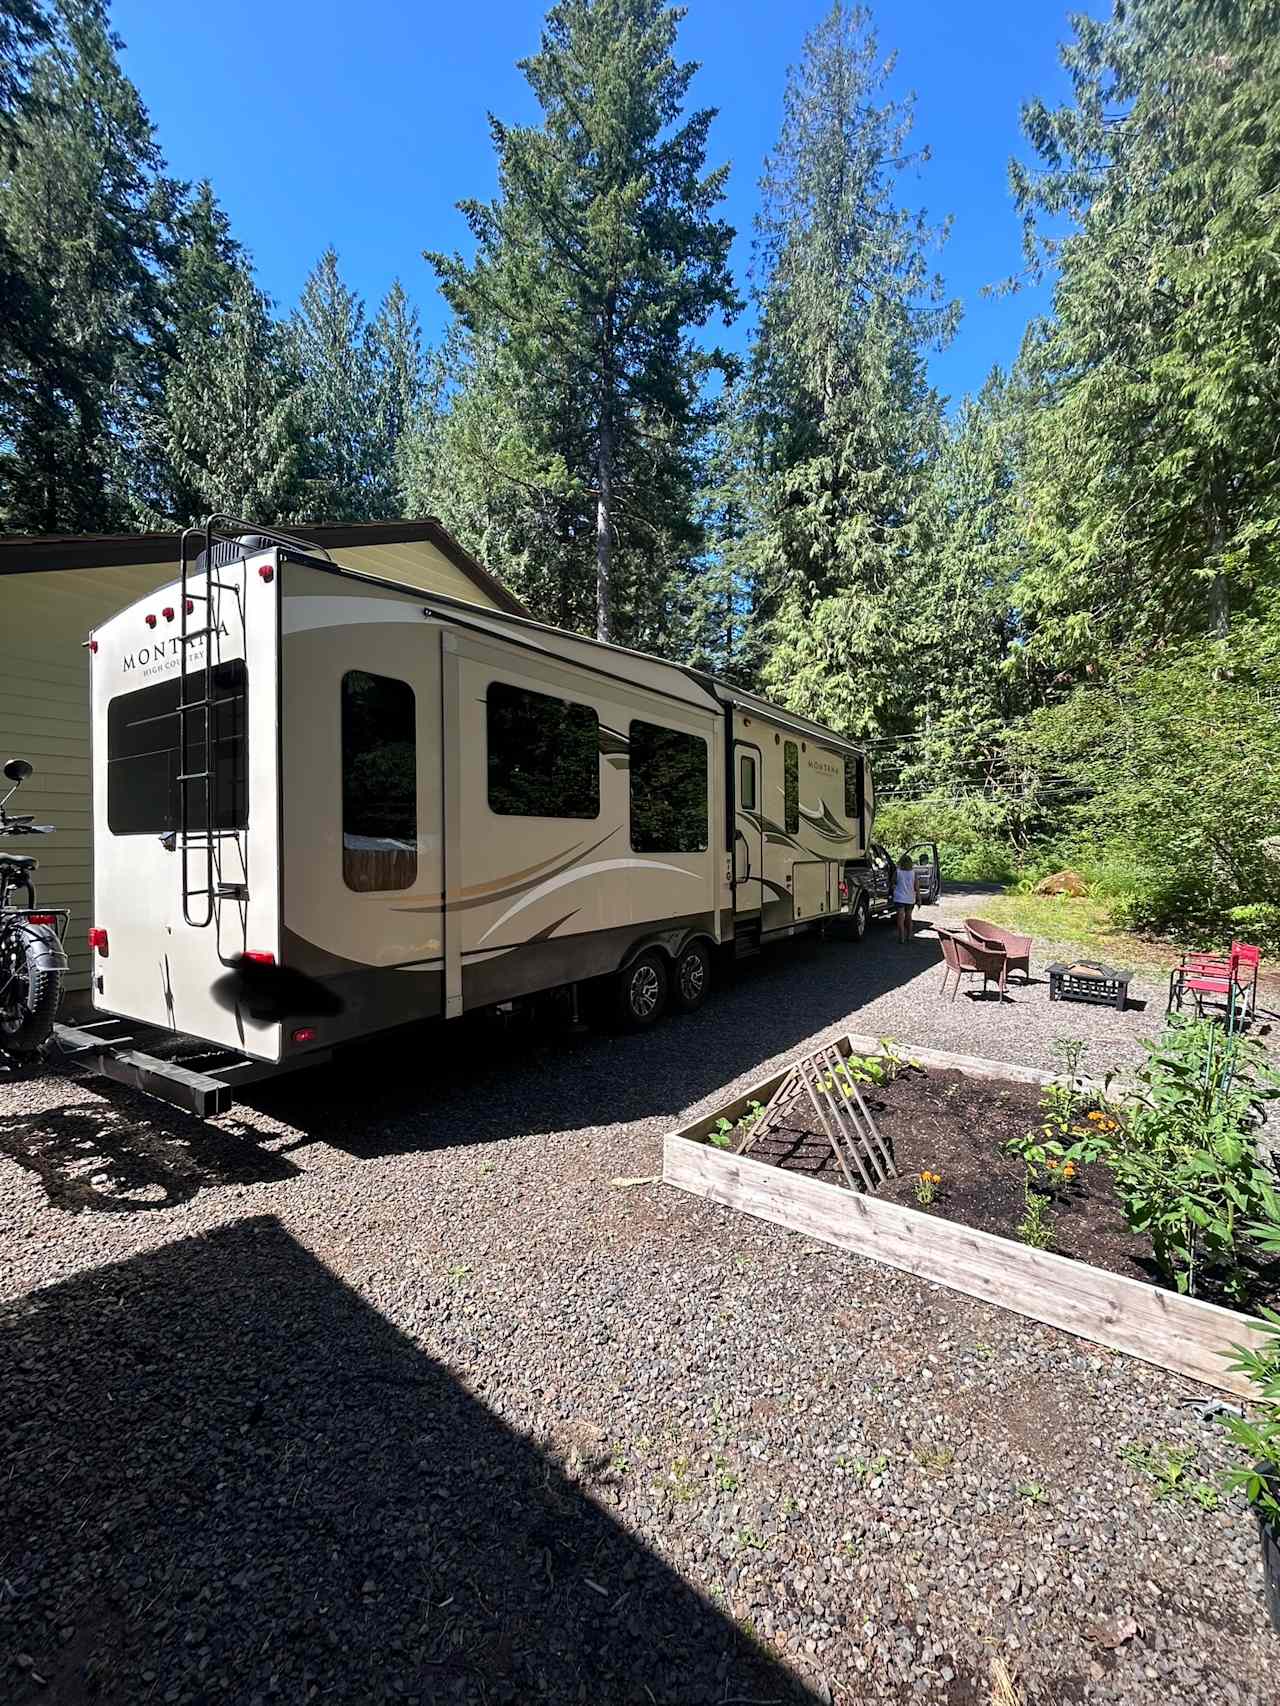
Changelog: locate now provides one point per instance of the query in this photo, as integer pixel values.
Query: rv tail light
(190, 606)
(168, 613)
(151, 621)
(40, 918)
(303, 1034)
(98, 939)
(92, 645)
(266, 572)
(256, 957)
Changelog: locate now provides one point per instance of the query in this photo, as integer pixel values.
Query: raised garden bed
(953, 1119)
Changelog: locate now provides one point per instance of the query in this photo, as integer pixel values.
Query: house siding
(44, 697)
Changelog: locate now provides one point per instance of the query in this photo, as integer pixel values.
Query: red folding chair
(1246, 962)
(1217, 979)
(1200, 977)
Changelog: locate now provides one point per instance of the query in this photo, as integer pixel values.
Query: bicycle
(33, 958)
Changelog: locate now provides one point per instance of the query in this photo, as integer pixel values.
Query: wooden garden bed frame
(1181, 1334)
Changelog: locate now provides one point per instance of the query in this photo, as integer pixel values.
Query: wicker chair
(965, 957)
(1017, 949)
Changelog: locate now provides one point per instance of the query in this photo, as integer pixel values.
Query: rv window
(791, 787)
(746, 783)
(379, 783)
(668, 790)
(144, 756)
(544, 755)
(855, 795)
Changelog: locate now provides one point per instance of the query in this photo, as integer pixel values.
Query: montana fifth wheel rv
(325, 805)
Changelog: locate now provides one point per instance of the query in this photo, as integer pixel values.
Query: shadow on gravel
(121, 1158)
(230, 1479)
(481, 1081)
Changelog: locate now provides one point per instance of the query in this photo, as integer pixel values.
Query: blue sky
(362, 125)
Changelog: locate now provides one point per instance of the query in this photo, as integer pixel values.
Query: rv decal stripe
(577, 874)
(303, 611)
(825, 823)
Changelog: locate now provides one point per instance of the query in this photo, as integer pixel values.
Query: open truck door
(924, 857)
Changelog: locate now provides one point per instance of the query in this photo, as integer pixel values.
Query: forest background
(1051, 612)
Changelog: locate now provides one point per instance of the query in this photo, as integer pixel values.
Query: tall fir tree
(600, 256)
(395, 340)
(513, 501)
(341, 403)
(230, 434)
(848, 424)
(200, 265)
(1151, 458)
(85, 210)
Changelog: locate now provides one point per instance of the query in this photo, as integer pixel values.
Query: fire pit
(1089, 980)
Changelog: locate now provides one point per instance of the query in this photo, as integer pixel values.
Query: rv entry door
(748, 832)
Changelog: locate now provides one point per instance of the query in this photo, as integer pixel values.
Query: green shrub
(1258, 1439)
(1258, 923)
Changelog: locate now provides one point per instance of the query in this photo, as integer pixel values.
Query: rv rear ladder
(196, 714)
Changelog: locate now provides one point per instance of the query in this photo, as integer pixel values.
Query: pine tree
(724, 627)
(25, 26)
(339, 405)
(84, 209)
(229, 418)
(515, 503)
(848, 423)
(1151, 458)
(200, 266)
(593, 266)
(395, 340)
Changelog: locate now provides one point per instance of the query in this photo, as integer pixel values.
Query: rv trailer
(326, 805)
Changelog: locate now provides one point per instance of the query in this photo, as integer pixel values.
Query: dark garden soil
(947, 1123)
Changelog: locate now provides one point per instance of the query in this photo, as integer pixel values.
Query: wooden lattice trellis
(832, 1089)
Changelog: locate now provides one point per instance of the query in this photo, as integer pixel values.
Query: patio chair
(1217, 979)
(1017, 949)
(967, 958)
(1247, 959)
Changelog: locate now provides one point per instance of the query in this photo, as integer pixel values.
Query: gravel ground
(377, 1389)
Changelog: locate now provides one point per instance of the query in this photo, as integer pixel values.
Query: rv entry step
(178, 1069)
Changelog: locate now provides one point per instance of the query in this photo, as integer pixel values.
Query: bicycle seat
(19, 861)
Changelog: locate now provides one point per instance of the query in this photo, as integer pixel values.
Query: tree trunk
(604, 520)
(1219, 593)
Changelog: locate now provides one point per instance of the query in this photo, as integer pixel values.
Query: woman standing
(904, 895)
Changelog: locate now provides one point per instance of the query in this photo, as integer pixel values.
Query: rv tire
(642, 991)
(692, 977)
(858, 918)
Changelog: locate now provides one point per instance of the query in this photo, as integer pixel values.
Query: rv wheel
(858, 919)
(642, 991)
(693, 977)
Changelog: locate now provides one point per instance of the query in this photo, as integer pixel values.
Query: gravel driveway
(377, 1389)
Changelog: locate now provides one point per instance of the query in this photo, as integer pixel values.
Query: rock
(1063, 882)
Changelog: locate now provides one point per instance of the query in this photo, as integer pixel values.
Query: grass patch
(1081, 923)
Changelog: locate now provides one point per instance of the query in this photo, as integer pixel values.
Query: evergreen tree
(724, 628)
(600, 255)
(336, 366)
(1151, 459)
(395, 338)
(25, 25)
(200, 265)
(847, 422)
(84, 210)
(229, 417)
(512, 499)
